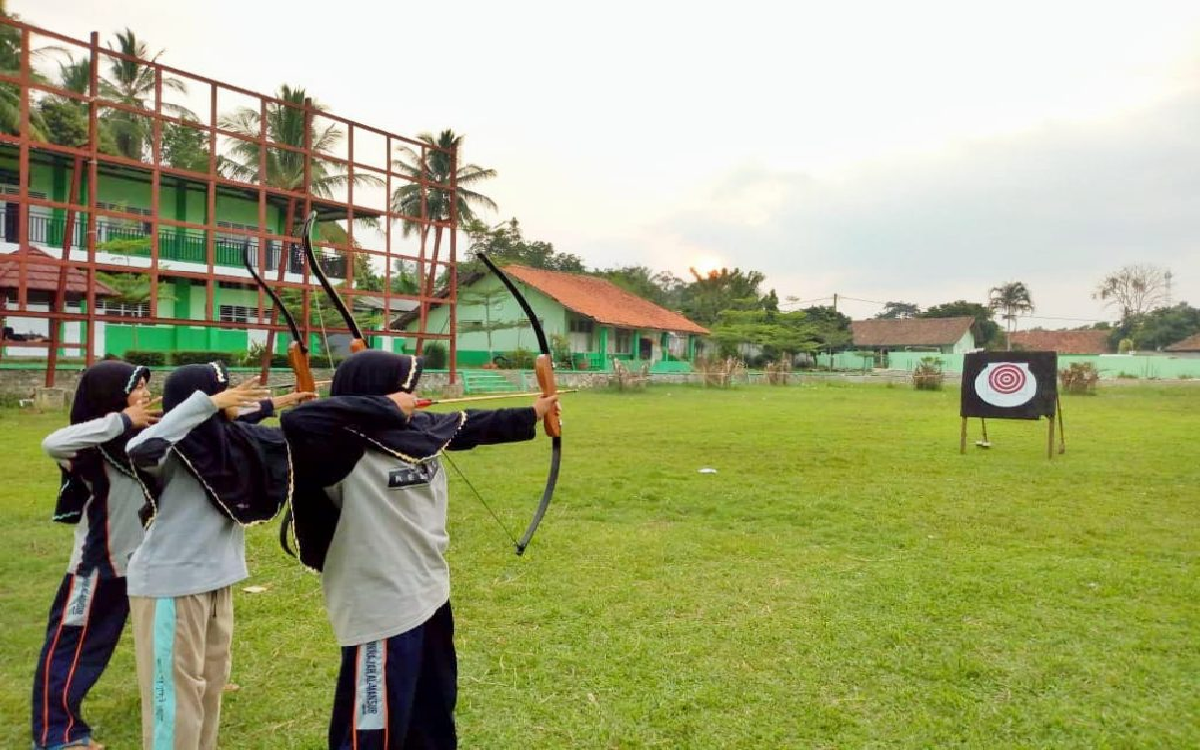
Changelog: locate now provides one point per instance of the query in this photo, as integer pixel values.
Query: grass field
(845, 580)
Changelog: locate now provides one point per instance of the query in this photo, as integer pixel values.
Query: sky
(919, 151)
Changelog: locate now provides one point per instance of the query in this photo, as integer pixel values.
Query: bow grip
(544, 368)
(298, 361)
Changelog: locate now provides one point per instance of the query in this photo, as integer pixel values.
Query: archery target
(1006, 384)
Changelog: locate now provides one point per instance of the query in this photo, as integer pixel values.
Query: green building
(182, 253)
(588, 319)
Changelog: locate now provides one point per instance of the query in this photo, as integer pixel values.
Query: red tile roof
(41, 276)
(1063, 342)
(910, 331)
(1190, 344)
(602, 300)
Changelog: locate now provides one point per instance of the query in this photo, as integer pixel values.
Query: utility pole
(835, 301)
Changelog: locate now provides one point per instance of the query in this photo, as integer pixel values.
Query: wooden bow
(544, 368)
(297, 353)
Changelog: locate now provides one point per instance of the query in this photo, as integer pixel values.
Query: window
(466, 326)
(125, 309)
(624, 344)
(124, 224)
(582, 325)
(238, 314)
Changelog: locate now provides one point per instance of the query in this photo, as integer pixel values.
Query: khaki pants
(182, 645)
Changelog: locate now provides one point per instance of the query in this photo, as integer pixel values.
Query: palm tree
(286, 124)
(65, 119)
(132, 83)
(10, 93)
(285, 168)
(1014, 299)
(417, 199)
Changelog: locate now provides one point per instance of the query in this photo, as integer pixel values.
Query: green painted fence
(1109, 365)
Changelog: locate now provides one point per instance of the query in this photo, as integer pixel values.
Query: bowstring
(495, 517)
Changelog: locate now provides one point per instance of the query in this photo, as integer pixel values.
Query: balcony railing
(187, 245)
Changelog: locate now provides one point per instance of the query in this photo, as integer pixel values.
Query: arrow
(423, 402)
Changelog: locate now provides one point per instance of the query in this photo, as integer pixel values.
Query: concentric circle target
(1006, 378)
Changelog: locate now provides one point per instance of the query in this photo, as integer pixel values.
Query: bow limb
(297, 352)
(357, 342)
(544, 369)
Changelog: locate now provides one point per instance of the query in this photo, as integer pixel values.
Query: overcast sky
(916, 151)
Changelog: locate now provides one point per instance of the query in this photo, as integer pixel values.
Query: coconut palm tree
(66, 120)
(10, 93)
(285, 124)
(421, 201)
(132, 83)
(285, 168)
(1014, 299)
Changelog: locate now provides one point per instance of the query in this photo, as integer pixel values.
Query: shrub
(145, 358)
(928, 375)
(560, 348)
(520, 359)
(1079, 378)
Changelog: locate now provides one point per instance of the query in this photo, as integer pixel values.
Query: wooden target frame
(1011, 385)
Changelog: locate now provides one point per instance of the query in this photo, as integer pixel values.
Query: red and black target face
(1009, 385)
(1006, 378)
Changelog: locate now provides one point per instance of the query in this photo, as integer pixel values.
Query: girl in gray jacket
(101, 493)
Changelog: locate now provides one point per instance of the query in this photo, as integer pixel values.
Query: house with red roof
(1062, 342)
(941, 335)
(591, 317)
(1189, 347)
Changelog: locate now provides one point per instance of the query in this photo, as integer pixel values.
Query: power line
(871, 301)
(1077, 320)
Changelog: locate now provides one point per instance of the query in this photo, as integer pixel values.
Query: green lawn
(846, 579)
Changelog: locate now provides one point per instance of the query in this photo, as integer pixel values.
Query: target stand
(1011, 385)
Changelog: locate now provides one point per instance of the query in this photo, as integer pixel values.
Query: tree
(780, 335)
(132, 83)
(288, 124)
(984, 329)
(184, 147)
(1014, 299)
(10, 93)
(505, 243)
(899, 310)
(417, 199)
(707, 296)
(1135, 289)
(662, 288)
(1159, 328)
(285, 168)
(831, 328)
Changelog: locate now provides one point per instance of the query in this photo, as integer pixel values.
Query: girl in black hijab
(369, 512)
(100, 492)
(219, 470)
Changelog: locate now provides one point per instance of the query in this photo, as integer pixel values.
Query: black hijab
(245, 469)
(103, 389)
(378, 373)
(313, 518)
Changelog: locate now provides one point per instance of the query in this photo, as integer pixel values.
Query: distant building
(941, 335)
(600, 320)
(1062, 342)
(1189, 347)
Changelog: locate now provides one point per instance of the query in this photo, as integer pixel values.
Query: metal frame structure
(81, 203)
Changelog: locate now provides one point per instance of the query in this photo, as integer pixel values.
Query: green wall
(1109, 365)
(503, 308)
